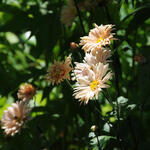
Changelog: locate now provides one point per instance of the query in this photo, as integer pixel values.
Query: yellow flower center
(99, 39)
(94, 85)
(91, 67)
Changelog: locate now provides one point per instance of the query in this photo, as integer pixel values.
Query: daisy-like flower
(59, 71)
(89, 60)
(92, 83)
(68, 13)
(100, 56)
(81, 69)
(97, 38)
(14, 118)
(26, 92)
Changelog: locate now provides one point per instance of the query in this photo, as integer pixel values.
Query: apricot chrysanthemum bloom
(92, 83)
(14, 118)
(97, 38)
(26, 92)
(100, 56)
(89, 60)
(59, 71)
(81, 69)
(68, 13)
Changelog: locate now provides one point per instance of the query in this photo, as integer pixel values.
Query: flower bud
(26, 92)
(140, 58)
(73, 45)
(93, 128)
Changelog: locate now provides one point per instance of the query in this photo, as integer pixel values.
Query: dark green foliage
(32, 37)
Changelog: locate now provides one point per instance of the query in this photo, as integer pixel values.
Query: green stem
(108, 99)
(118, 126)
(98, 142)
(96, 133)
(116, 66)
(79, 15)
(69, 84)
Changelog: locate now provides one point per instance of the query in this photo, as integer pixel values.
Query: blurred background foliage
(32, 37)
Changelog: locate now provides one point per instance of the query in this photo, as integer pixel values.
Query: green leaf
(19, 20)
(131, 107)
(139, 16)
(103, 140)
(122, 100)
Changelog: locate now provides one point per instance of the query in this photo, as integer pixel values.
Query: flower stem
(43, 136)
(79, 15)
(116, 66)
(96, 132)
(108, 99)
(69, 84)
(98, 142)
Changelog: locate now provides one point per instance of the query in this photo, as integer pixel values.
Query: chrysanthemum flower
(81, 69)
(97, 38)
(14, 118)
(59, 71)
(68, 13)
(100, 56)
(92, 83)
(89, 60)
(26, 92)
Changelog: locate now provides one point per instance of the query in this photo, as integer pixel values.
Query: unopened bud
(26, 92)
(73, 45)
(140, 58)
(61, 134)
(93, 128)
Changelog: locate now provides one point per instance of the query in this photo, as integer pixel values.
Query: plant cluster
(74, 74)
